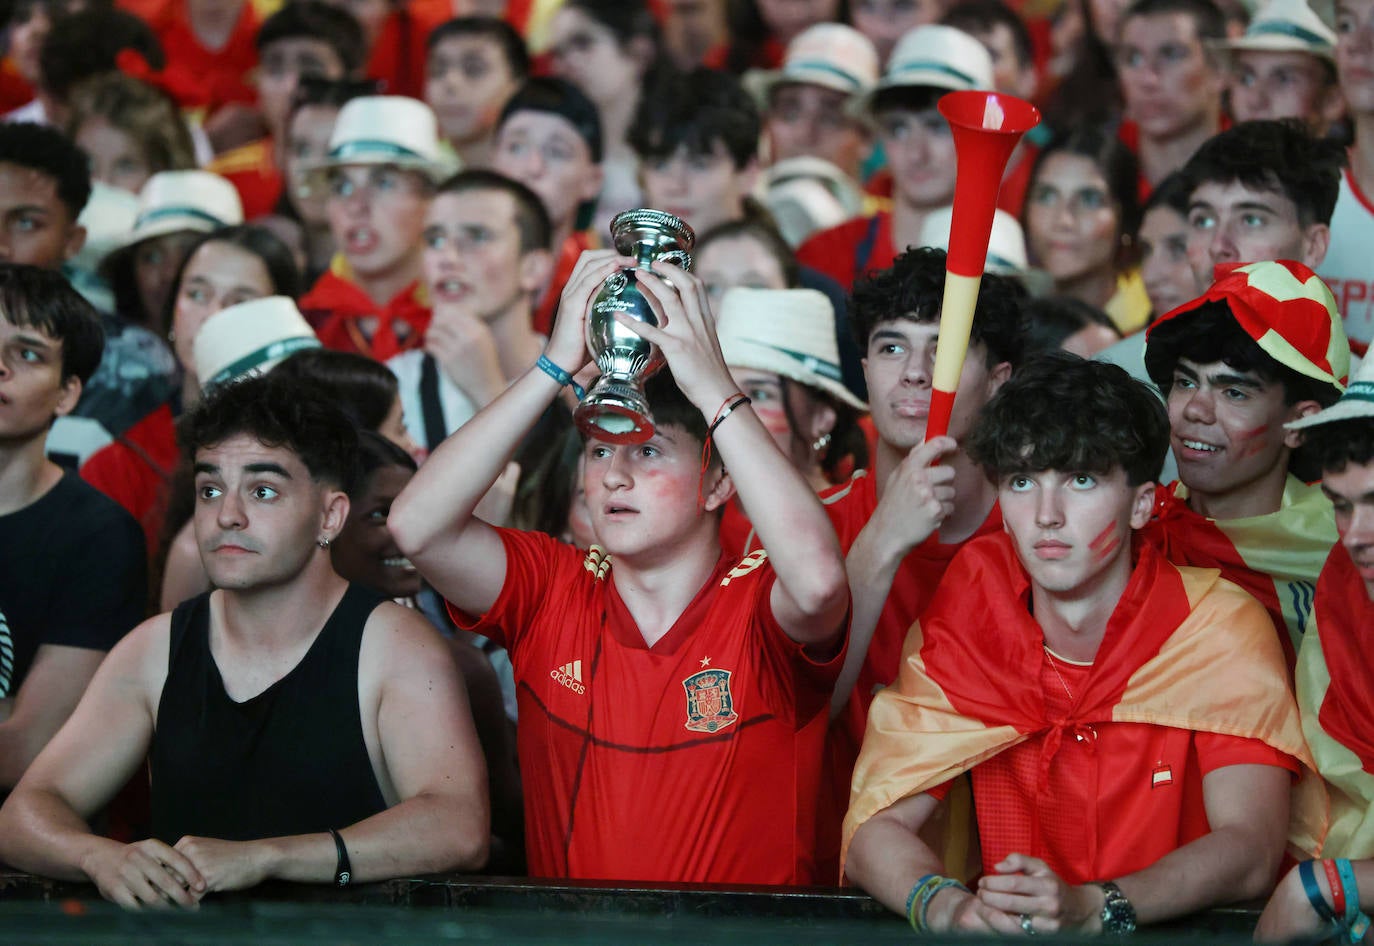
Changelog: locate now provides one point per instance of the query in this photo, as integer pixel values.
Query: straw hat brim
(1274, 43)
(1356, 404)
(745, 353)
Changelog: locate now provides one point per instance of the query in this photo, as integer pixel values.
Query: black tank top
(291, 760)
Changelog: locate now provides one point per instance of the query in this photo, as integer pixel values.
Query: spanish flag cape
(1183, 649)
(1275, 557)
(335, 305)
(1335, 681)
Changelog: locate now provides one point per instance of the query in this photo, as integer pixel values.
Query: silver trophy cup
(615, 409)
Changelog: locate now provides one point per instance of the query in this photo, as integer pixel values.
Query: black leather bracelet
(343, 870)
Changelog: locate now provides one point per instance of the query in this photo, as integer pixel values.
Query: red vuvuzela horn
(987, 127)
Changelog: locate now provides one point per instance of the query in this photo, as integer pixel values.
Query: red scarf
(337, 306)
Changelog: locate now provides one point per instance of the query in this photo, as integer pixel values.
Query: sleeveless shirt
(291, 760)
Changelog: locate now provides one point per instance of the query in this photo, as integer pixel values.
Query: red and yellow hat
(1286, 309)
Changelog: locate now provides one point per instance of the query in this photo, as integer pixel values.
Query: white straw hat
(387, 129)
(807, 194)
(1006, 243)
(177, 201)
(831, 55)
(1286, 26)
(1357, 403)
(936, 57)
(790, 332)
(249, 338)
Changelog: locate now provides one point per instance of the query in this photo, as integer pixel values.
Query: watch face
(1118, 916)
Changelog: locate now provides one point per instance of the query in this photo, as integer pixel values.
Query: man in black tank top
(299, 727)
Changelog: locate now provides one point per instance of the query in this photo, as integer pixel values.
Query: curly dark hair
(364, 389)
(1278, 157)
(913, 288)
(87, 42)
(43, 299)
(278, 411)
(1210, 334)
(1060, 412)
(1331, 446)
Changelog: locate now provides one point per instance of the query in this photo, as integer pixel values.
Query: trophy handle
(679, 258)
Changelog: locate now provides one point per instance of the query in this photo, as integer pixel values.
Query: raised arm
(811, 594)
(432, 520)
(916, 499)
(435, 780)
(43, 825)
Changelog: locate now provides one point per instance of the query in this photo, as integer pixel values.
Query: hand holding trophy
(615, 409)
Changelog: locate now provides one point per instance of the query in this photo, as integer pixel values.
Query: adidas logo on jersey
(570, 675)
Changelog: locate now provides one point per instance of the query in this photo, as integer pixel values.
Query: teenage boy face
(920, 152)
(259, 513)
(1169, 85)
(899, 369)
(1231, 223)
(1072, 530)
(1355, 53)
(1351, 492)
(467, 81)
(472, 253)
(806, 120)
(284, 64)
(1164, 266)
(1226, 428)
(376, 215)
(643, 497)
(1281, 84)
(32, 391)
(702, 188)
(35, 226)
(544, 152)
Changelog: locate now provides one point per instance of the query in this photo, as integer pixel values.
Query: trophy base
(616, 412)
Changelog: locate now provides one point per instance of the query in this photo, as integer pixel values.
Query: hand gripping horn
(986, 127)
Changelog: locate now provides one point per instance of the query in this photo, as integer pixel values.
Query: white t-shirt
(457, 407)
(1349, 265)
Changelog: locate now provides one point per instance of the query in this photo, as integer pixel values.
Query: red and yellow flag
(1183, 649)
(1275, 557)
(1335, 683)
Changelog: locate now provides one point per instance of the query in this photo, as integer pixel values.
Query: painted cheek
(1252, 442)
(1106, 542)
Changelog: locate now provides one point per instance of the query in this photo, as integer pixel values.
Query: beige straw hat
(790, 332)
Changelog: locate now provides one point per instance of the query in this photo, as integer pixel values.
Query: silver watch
(1118, 916)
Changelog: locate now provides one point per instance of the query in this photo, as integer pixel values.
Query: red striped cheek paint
(1107, 542)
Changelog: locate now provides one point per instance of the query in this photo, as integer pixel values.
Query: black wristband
(343, 870)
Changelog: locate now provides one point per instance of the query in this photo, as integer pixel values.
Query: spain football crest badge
(710, 707)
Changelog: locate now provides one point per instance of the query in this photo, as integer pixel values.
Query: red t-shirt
(1147, 799)
(202, 78)
(695, 760)
(335, 307)
(851, 249)
(136, 471)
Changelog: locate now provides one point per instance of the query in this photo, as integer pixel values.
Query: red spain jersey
(695, 760)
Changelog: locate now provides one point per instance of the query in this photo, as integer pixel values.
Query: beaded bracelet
(559, 375)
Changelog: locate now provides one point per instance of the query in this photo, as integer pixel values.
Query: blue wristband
(559, 375)
(1307, 874)
(1356, 923)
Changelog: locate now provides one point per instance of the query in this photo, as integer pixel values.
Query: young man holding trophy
(672, 698)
